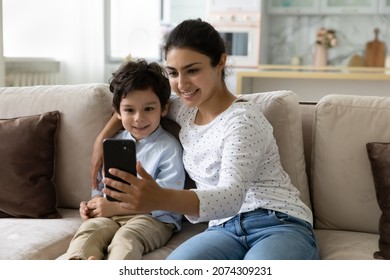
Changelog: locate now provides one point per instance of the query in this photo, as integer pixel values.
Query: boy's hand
(84, 210)
(101, 207)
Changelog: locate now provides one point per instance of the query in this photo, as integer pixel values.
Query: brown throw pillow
(27, 148)
(379, 156)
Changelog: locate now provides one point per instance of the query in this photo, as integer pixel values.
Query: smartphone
(120, 154)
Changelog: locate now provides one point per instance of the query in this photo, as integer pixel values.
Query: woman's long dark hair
(199, 36)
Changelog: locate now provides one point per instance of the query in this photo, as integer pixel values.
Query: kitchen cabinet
(179, 10)
(349, 6)
(328, 7)
(384, 7)
(293, 7)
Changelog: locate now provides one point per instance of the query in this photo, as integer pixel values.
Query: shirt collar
(151, 138)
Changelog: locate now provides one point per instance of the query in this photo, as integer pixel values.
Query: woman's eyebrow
(184, 67)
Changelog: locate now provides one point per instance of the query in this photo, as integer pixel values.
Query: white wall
(70, 31)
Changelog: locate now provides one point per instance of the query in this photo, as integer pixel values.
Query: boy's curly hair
(139, 75)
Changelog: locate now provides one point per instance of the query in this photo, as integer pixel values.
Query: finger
(142, 172)
(120, 191)
(94, 213)
(83, 206)
(126, 176)
(90, 205)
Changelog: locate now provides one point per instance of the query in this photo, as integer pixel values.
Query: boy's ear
(118, 115)
(165, 110)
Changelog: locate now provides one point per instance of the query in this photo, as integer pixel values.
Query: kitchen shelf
(349, 7)
(326, 7)
(384, 6)
(293, 7)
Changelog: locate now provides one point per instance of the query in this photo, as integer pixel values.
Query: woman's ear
(165, 110)
(222, 61)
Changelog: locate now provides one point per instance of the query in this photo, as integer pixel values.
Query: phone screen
(119, 154)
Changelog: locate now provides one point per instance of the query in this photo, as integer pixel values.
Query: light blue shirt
(161, 155)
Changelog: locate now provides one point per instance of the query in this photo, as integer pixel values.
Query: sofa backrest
(84, 110)
(342, 187)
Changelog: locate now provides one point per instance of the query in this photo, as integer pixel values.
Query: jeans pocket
(280, 216)
(284, 218)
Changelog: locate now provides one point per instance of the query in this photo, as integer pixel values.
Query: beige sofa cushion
(343, 193)
(37, 239)
(84, 110)
(282, 110)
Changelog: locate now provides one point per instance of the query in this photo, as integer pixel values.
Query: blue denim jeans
(257, 235)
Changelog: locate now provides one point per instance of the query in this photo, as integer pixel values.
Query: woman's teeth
(189, 93)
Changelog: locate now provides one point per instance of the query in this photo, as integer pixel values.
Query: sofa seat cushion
(346, 245)
(188, 230)
(38, 239)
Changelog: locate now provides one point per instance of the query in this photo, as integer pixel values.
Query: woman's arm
(145, 195)
(112, 127)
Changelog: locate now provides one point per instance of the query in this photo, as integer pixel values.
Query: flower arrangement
(326, 38)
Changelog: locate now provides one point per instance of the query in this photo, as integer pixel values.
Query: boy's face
(140, 113)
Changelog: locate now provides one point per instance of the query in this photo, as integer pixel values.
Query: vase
(320, 57)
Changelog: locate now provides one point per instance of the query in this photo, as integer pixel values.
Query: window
(133, 28)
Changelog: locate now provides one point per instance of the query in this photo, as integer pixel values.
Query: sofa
(322, 147)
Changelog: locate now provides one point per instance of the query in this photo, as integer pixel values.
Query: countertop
(311, 72)
(313, 82)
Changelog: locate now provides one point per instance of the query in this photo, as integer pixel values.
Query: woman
(254, 211)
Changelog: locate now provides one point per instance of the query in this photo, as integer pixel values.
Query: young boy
(141, 94)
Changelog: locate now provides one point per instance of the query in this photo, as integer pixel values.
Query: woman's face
(192, 77)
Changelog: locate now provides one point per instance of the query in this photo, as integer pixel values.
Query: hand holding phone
(119, 154)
